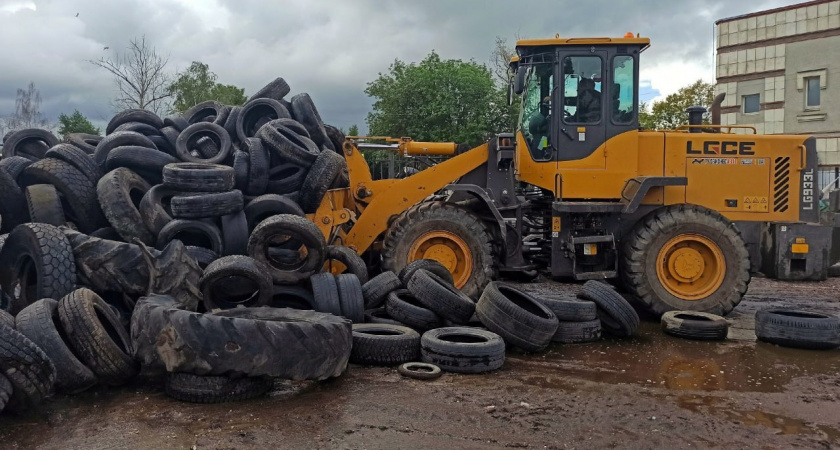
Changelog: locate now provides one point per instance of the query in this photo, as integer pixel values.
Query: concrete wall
(813, 56)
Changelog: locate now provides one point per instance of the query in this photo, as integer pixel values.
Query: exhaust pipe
(715, 109)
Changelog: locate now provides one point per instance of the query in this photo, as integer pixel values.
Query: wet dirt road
(652, 391)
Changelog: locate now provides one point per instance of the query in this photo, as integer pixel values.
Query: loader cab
(576, 94)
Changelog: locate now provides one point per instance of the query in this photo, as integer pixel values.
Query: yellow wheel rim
(447, 249)
(690, 266)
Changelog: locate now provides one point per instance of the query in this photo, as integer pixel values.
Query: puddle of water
(653, 358)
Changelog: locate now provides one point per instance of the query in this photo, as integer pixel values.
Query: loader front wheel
(687, 258)
(446, 233)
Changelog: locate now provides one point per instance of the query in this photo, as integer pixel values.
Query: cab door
(581, 127)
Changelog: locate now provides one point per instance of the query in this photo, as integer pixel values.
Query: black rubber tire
(519, 318)
(350, 297)
(39, 259)
(198, 177)
(577, 332)
(695, 325)
(155, 207)
(258, 110)
(145, 129)
(97, 336)
(286, 178)
(404, 308)
(203, 256)
(190, 388)
(78, 191)
(223, 270)
(84, 141)
(833, 271)
(44, 205)
(133, 115)
(463, 349)
(305, 112)
(797, 329)
(205, 111)
(40, 323)
(618, 317)
(106, 233)
(197, 205)
(441, 297)
(287, 146)
(380, 315)
(108, 265)
(377, 344)
(14, 165)
(77, 158)
(298, 229)
(275, 342)
(268, 205)
(294, 126)
(377, 289)
(13, 207)
(428, 217)
(230, 122)
(641, 257)
(337, 138)
(119, 139)
(570, 309)
(426, 264)
(276, 90)
(240, 170)
(420, 371)
(258, 161)
(188, 139)
(6, 390)
(235, 233)
(146, 162)
(325, 296)
(296, 297)
(192, 232)
(319, 179)
(28, 369)
(176, 121)
(30, 143)
(352, 262)
(120, 192)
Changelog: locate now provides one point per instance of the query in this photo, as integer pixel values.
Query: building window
(812, 92)
(751, 104)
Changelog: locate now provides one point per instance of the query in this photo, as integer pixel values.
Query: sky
(330, 49)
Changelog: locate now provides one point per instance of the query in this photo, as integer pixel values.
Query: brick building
(780, 70)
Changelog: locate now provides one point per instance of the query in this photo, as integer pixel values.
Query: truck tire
(287, 146)
(274, 342)
(297, 229)
(78, 192)
(717, 277)
(256, 111)
(404, 308)
(384, 345)
(325, 297)
(146, 162)
(133, 115)
(44, 205)
(695, 325)
(30, 143)
(155, 207)
(797, 329)
(463, 349)
(14, 165)
(190, 388)
(577, 332)
(209, 111)
(295, 297)
(223, 271)
(319, 179)
(441, 297)
(36, 262)
(426, 264)
(305, 112)
(570, 309)
(84, 141)
(199, 205)
(337, 138)
(240, 171)
(28, 369)
(350, 297)
(285, 178)
(268, 205)
(380, 315)
(13, 207)
(192, 232)
(235, 233)
(203, 256)
(275, 90)
(176, 121)
(76, 158)
(198, 177)
(349, 259)
(258, 161)
(6, 391)
(188, 139)
(120, 192)
(519, 318)
(617, 315)
(119, 139)
(377, 289)
(40, 323)
(420, 229)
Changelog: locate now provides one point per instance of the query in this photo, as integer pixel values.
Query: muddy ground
(652, 391)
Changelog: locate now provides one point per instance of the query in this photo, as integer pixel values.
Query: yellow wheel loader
(681, 218)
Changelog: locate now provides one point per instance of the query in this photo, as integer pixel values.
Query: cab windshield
(535, 113)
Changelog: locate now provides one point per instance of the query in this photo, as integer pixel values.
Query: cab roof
(559, 41)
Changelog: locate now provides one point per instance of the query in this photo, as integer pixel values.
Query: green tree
(198, 84)
(75, 123)
(670, 113)
(353, 130)
(436, 100)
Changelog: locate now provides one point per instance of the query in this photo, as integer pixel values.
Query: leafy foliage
(437, 100)
(670, 113)
(75, 123)
(198, 84)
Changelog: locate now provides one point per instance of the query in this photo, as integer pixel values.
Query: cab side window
(582, 89)
(623, 94)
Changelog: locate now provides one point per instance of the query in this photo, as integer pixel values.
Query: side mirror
(519, 80)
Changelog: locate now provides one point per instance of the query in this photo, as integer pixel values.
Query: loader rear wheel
(446, 233)
(688, 258)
